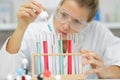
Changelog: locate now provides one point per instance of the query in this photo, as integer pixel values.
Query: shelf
(113, 25)
(13, 26)
(7, 27)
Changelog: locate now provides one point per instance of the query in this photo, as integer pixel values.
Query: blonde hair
(91, 5)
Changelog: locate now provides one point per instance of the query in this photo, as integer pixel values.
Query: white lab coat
(96, 37)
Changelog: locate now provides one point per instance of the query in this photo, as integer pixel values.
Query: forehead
(74, 9)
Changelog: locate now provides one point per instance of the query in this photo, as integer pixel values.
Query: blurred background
(108, 13)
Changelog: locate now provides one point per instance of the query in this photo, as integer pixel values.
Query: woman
(98, 44)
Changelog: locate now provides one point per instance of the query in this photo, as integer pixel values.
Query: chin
(64, 38)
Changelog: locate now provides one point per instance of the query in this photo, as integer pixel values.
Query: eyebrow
(71, 14)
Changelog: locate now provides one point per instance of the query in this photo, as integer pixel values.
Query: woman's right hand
(28, 13)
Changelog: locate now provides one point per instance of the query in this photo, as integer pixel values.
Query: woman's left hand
(95, 61)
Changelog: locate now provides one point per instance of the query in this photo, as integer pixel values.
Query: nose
(66, 26)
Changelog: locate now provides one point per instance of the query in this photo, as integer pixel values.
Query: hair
(91, 5)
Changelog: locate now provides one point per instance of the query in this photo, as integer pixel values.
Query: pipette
(44, 17)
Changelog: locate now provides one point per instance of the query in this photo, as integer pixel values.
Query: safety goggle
(64, 17)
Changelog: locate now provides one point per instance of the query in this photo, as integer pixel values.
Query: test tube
(53, 51)
(38, 45)
(77, 65)
(45, 50)
(69, 46)
(60, 47)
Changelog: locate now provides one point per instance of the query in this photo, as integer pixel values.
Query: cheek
(57, 25)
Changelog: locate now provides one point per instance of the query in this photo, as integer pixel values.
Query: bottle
(97, 16)
(44, 17)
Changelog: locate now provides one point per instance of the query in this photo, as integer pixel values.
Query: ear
(61, 1)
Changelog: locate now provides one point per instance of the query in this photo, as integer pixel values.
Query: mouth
(63, 33)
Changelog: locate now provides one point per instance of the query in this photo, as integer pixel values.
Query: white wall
(50, 5)
(107, 8)
(110, 10)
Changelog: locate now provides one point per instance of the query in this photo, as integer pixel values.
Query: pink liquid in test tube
(45, 50)
(69, 45)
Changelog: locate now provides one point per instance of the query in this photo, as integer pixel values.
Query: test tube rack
(62, 77)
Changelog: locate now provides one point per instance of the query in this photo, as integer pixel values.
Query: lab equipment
(64, 69)
(49, 76)
(28, 77)
(57, 77)
(64, 73)
(44, 16)
(60, 47)
(20, 72)
(9, 77)
(38, 46)
(45, 50)
(40, 77)
(69, 45)
(25, 63)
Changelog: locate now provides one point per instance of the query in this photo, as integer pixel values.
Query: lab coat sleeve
(111, 45)
(9, 62)
(112, 51)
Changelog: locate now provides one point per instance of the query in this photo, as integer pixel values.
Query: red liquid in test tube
(69, 45)
(45, 50)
